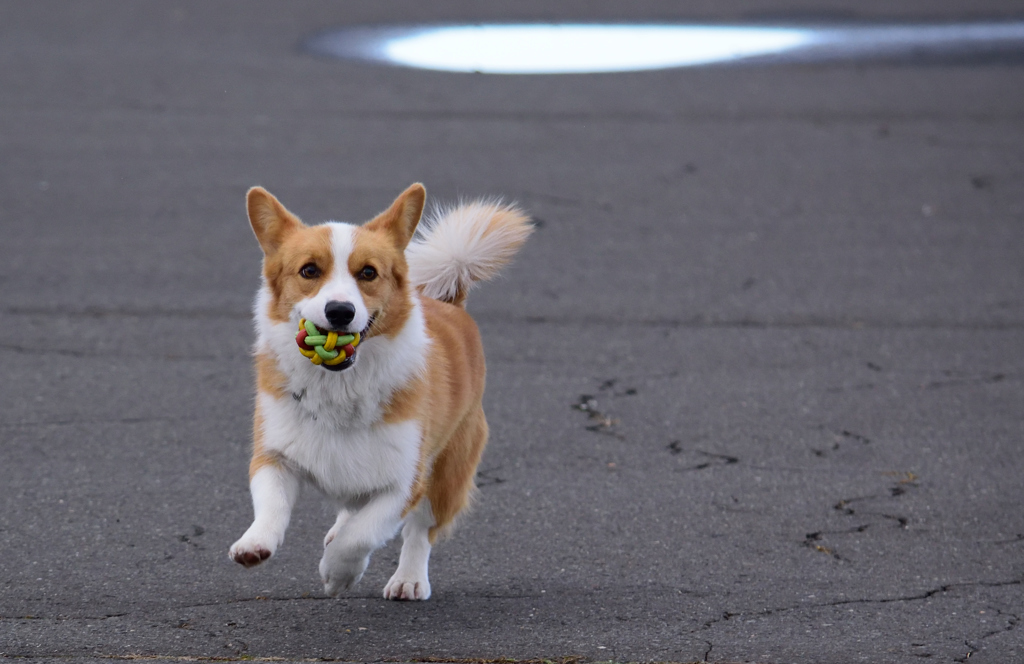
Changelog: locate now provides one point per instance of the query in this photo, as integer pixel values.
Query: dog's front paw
(341, 573)
(403, 586)
(250, 552)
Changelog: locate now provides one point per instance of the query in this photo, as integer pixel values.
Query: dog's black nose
(339, 314)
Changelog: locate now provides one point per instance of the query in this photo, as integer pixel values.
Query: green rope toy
(327, 349)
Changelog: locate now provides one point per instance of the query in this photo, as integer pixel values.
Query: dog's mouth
(333, 350)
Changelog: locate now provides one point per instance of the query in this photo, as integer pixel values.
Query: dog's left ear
(399, 221)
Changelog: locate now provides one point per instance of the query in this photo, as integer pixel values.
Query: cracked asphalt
(756, 383)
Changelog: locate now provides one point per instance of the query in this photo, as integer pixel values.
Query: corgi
(393, 432)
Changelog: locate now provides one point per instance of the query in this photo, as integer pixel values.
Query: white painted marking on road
(579, 49)
(593, 48)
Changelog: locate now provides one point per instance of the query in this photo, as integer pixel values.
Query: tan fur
(271, 222)
(401, 218)
(269, 377)
(446, 401)
(382, 296)
(381, 243)
(447, 404)
(260, 457)
(452, 484)
(287, 244)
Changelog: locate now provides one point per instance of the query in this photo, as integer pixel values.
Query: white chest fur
(329, 425)
(343, 462)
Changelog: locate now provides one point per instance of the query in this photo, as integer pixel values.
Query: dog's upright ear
(399, 221)
(271, 222)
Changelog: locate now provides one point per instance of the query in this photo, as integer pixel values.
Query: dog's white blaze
(341, 286)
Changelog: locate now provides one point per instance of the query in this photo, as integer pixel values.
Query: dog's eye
(310, 271)
(368, 273)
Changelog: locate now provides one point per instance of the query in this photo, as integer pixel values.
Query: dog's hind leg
(367, 528)
(410, 580)
(448, 493)
(451, 481)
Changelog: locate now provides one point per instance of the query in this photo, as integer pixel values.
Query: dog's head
(342, 277)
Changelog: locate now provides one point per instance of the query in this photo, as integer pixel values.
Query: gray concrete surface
(793, 294)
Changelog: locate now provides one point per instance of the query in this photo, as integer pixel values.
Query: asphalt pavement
(756, 384)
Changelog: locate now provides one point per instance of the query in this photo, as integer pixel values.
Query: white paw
(406, 587)
(250, 551)
(339, 574)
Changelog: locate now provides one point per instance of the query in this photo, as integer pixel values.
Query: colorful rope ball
(325, 348)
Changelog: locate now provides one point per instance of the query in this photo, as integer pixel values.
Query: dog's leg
(410, 580)
(343, 515)
(274, 490)
(367, 529)
(451, 484)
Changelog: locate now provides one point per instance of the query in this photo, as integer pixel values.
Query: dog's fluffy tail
(460, 245)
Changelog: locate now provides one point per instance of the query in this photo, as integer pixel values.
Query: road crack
(728, 615)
